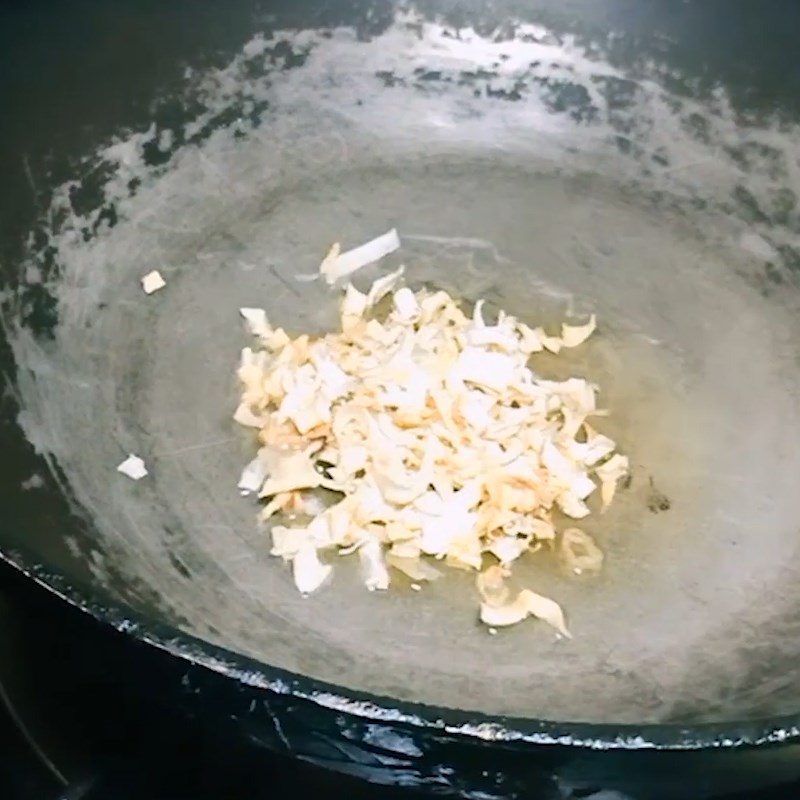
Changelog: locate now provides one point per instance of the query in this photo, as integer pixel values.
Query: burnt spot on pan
(178, 565)
(657, 501)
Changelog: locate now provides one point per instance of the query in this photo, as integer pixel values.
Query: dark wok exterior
(61, 77)
(245, 708)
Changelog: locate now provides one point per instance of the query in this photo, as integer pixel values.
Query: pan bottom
(695, 361)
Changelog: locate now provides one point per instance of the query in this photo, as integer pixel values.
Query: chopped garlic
(376, 576)
(383, 286)
(253, 476)
(291, 471)
(406, 308)
(574, 335)
(244, 416)
(609, 473)
(507, 548)
(547, 610)
(486, 369)
(133, 467)
(492, 587)
(354, 304)
(527, 603)
(414, 567)
(153, 281)
(337, 265)
(439, 439)
(309, 572)
(278, 503)
(503, 615)
(256, 319)
(498, 611)
(551, 343)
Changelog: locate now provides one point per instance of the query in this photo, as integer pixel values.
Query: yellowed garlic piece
(353, 306)
(415, 568)
(257, 322)
(286, 542)
(373, 565)
(406, 307)
(501, 616)
(294, 470)
(574, 335)
(278, 503)
(133, 467)
(547, 610)
(308, 571)
(609, 473)
(253, 475)
(551, 343)
(245, 416)
(507, 548)
(491, 585)
(530, 339)
(572, 506)
(438, 438)
(338, 265)
(153, 281)
(328, 264)
(383, 286)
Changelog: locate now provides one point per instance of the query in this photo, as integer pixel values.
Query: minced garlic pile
(441, 444)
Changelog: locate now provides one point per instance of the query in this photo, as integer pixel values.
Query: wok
(526, 158)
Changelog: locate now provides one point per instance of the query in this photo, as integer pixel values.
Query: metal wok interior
(518, 166)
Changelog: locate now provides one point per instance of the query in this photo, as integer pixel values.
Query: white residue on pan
(539, 92)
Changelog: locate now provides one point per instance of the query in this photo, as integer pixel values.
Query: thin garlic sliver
(574, 335)
(609, 473)
(309, 572)
(526, 603)
(491, 584)
(436, 443)
(547, 610)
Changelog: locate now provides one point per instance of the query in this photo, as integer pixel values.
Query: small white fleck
(416, 587)
(153, 281)
(33, 274)
(133, 467)
(758, 246)
(255, 47)
(257, 321)
(165, 140)
(492, 631)
(34, 482)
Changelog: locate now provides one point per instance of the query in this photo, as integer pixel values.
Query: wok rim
(462, 724)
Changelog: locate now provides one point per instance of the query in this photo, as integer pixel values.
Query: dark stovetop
(69, 730)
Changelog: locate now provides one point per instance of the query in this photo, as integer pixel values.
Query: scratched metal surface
(661, 200)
